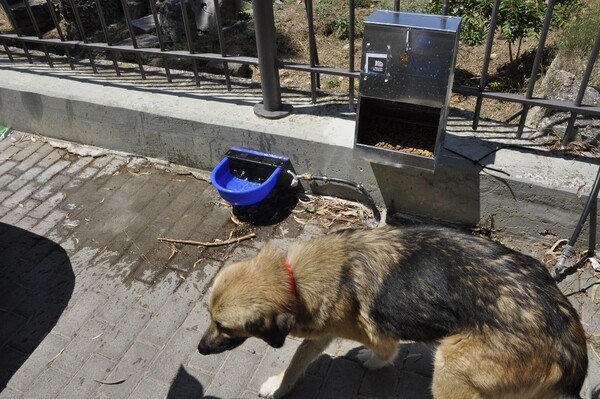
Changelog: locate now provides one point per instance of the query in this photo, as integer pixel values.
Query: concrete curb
(537, 192)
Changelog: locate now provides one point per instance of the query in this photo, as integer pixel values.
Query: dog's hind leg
(382, 355)
(454, 366)
(494, 366)
(278, 385)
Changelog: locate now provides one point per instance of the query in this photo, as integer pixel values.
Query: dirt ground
(332, 51)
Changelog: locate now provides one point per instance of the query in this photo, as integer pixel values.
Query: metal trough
(407, 70)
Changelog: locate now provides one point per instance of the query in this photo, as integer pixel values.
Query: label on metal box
(376, 63)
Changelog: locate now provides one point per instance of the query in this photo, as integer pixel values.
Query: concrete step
(526, 190)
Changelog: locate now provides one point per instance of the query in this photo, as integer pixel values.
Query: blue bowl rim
(264, 154)
(225, 163)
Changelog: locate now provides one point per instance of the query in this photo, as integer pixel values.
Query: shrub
(578, 37)
(517, 19)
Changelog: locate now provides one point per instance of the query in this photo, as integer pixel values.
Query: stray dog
(503, 328)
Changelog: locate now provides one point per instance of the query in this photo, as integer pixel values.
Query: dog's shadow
(346, 377)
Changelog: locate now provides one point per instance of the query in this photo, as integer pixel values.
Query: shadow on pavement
(185, 386)
(36, 283)
(345, 377)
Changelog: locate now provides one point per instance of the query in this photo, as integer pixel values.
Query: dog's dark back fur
(446, 282)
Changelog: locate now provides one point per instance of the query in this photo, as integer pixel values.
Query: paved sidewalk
(92, 305)
(89, 296)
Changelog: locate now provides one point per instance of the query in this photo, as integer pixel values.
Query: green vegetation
(577, 39)
(332, 82)
(342, 29)
(333, 14)
(408, 6)
(517, 19)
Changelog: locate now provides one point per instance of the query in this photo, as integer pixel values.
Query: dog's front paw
(272, 388)
(370, 360)
(364, 355)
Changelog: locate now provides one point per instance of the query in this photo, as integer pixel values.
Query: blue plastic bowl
(238, 191)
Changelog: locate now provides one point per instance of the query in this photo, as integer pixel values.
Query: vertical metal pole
(264, 26)
(536, 64)
(222, 42)
(59, 31)
(313, 55)
(445, 8)
(133, 38)
(161, 42)
(188, 37)
(7, 50)
(107, 35)
(13, 22)
(396, 5)
(570, 132)
(38, 33)
(486, 63)
(351, 27)
(593, 226)
(82, 34)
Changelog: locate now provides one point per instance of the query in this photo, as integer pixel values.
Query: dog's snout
(203, 348)
(210, 345)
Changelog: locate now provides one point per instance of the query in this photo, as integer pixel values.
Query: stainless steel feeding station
(407, 70)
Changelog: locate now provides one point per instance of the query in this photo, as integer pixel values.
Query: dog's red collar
(291, 279)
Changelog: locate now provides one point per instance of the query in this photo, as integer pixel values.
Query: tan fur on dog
(503, 327)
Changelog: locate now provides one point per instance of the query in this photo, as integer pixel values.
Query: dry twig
(174, 250)
(234, 240)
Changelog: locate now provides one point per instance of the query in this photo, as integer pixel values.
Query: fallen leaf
(111, 382)
(56, 356)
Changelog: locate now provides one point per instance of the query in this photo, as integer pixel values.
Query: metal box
(407, 70)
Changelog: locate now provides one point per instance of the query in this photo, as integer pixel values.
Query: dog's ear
(274, 330)
(282, 325)
(268, 252)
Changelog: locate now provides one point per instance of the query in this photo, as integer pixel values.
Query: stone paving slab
(92, 305)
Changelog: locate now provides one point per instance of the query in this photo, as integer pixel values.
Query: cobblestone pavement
(92, 305)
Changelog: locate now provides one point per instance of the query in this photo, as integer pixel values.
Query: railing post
(486, 62)
(264, 26)
(536, 64)
(570, 132)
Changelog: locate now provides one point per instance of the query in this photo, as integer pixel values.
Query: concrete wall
(543, 194)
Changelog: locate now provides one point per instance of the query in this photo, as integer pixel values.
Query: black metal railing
(269, 65)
